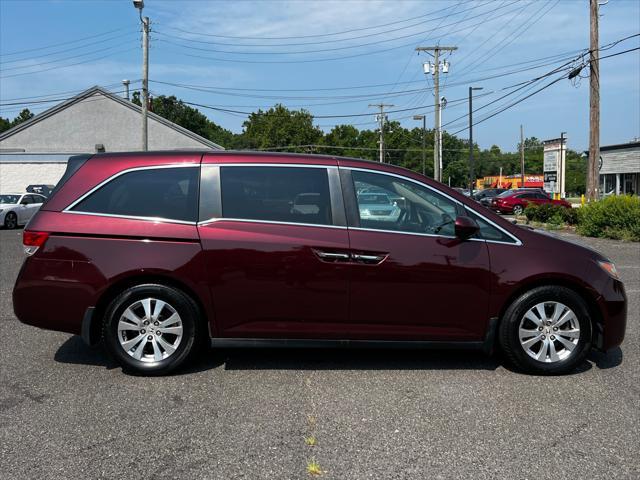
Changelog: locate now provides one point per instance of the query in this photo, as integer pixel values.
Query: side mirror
(466, 227)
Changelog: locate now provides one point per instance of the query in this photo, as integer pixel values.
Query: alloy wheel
(150, 330)
(549, 332)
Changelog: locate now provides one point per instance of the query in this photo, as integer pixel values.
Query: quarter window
(170, 193)
(488, 231)
(391, 203)
(281, 194)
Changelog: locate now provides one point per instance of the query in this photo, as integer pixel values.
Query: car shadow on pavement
(75, 351)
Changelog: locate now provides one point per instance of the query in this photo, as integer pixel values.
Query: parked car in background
(18, 208)
(44, 190)
(515, 201)
(377, 207)
(158, 253)
(484, 196)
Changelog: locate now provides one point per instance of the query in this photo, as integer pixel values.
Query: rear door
(411, 278)
(276, 247)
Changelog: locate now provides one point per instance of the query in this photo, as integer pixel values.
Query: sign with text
(553, 166)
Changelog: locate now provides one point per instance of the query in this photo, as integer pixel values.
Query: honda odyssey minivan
(158, 254)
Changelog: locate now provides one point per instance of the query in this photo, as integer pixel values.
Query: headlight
(610, 268)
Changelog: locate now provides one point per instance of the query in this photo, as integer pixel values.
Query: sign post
(554, 166)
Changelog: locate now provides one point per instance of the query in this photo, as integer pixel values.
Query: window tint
(281, 194)
(488, 231)
(170, 193)
(541, 196)
(37, 198)
(26, 200)
(409, 206)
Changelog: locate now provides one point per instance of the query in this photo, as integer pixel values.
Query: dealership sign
(554, 166)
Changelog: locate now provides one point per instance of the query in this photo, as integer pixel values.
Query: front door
(274, 245)
(411, 278)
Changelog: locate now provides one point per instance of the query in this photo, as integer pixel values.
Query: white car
(17, 208)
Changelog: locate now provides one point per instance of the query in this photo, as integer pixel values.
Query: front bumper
(613, 307)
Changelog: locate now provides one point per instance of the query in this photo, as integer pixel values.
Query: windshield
(506, 193)
(9, 198)
(374, 199)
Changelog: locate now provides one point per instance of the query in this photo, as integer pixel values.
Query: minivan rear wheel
(152, 329)
(546, 330)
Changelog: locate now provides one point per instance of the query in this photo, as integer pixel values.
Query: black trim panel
(313, 343)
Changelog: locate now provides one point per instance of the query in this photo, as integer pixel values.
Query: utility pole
(472, 174)
(424, 136)
(381, 118)
(437, 148)
(521, 157)
(593, 181)
(561, 167)
(139, 4)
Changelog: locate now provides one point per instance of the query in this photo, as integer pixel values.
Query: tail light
(32, 241)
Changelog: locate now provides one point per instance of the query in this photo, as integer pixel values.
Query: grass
(313, 468)
(310, 441)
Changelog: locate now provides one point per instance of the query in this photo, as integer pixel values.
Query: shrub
(549, 213)
(616, 217)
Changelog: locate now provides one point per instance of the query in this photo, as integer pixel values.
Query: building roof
(620, 146)
(99, 90)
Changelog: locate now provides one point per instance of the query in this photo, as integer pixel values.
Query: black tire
(10, 221)
(192, 329)
(510, 325)
(517, 210)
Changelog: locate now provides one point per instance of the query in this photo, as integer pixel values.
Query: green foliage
(553, 214)
(23, 116)
(282, 129)
(616, 217)
(280, 126)
(5, 124)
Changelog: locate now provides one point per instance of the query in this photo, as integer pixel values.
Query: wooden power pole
(521, 157)
(593, 180)
(437, 147)
(381, 119)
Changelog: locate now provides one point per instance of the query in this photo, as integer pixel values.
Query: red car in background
(515, 201)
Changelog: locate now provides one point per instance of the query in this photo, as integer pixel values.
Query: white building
(36, 151)
(620, 169)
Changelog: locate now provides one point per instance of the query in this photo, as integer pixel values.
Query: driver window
(391, 203)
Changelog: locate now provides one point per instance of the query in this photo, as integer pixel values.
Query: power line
(64, 43)
(45, 55)
(297, 44)
(67, 66)
(233, 60)
(312, 36)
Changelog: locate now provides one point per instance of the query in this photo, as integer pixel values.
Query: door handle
(332, 256)
(368, 258)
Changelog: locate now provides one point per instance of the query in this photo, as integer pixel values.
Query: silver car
(378, 207)
(18, 208)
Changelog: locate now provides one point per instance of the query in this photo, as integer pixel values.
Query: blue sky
(51, 47)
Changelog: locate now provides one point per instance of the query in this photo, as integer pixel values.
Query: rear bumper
(53, 295)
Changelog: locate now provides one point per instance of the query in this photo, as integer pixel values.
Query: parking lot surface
(67, 411)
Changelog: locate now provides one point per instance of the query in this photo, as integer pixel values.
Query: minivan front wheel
(547, 330)
(151, 329)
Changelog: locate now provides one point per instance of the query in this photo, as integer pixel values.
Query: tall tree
(280, 126)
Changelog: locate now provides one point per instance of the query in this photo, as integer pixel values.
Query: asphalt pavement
(67, 411)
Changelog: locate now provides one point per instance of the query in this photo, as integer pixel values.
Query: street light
(471, 165)
(424, 133)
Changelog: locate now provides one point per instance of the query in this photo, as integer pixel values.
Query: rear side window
(281, 194)
(170, 193)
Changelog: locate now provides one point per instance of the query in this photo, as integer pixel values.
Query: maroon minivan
(159, 253)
